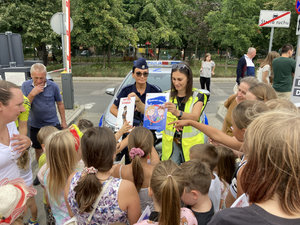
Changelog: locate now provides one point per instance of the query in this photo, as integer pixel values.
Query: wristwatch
(180, 114)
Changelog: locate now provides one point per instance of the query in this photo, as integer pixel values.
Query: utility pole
(64, 36)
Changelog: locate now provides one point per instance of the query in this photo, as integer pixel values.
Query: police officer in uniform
(138, 90)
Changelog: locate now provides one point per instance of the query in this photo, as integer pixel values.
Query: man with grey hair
(42, 94)
(245, 65)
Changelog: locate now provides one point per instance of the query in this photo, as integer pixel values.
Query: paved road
(92, 95)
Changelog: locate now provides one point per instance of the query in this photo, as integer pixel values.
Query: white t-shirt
(9, 157)
(261, 71)
(206, 69)
(215, 192)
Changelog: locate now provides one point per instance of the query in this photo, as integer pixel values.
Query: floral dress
(108, 210)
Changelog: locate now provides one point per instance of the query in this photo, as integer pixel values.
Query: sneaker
(33, 222)
(36, 181)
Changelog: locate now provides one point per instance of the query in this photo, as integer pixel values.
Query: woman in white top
(207, 69)
(11, 143)
(265, 69)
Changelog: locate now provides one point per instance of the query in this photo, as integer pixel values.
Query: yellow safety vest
(190, 135)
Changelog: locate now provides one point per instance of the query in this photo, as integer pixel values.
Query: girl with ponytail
(166, 187)
(140, 144)
(119, 202)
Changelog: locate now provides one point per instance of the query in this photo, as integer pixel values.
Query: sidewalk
(71, 116)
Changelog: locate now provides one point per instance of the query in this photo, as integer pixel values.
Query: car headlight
(106, 124)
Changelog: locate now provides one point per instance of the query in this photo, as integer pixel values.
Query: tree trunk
(103, 53)
(158, 51)
(196, 49)
(184, 52)
(108, 55)
(135, 50)
(42, 53)
(155, 52)
(226, 61)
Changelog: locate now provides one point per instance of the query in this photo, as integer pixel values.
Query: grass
(121, 69)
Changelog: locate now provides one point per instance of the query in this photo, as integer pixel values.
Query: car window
(161, 80)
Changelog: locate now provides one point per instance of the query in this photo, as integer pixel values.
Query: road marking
(89, 105)
(217, 91)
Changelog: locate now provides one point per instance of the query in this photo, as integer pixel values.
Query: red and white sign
(269, 18)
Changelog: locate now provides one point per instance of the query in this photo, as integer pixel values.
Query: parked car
(160, 75)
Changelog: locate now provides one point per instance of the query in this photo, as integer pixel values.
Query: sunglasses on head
(139, 74)
(180, 66)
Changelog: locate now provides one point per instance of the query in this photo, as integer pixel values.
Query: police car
(159, 75)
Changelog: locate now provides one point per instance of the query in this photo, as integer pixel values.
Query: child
(166, 187)
(84, 124)
(140, 144)
(242, 115)
(225, 170)
(42, 135)
(271, 176)
(14, 194)
(197, 177)
(207, 153)
(62, 160)
(120, 201)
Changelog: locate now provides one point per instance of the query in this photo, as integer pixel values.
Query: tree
(102, 24)
(31, 19)
(156, 21)
(235, 24)
(197, 30)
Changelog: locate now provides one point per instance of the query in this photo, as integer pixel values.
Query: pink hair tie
(90, 170)
(169, 176)
(136, 151)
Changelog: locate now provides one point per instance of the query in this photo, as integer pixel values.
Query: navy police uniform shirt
(138, 117)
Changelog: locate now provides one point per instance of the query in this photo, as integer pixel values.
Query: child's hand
(179, 124)
(212, 73)
(125, 128)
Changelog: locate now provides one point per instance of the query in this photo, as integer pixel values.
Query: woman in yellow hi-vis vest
(186, 102)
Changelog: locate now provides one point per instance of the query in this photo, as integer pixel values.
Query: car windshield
(161, 80)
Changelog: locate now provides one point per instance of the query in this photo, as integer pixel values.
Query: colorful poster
(125, 112)
(155, 116)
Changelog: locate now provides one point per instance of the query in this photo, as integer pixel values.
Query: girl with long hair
(265, 69)
(120, 200)
(166, 187)
(140, 145)
(62, 160)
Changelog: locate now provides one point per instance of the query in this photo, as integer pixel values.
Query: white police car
(160, 75)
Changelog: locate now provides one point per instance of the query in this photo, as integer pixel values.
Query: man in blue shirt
(138, 90)
(42, 94)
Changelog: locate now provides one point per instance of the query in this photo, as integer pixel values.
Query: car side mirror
(110, 91)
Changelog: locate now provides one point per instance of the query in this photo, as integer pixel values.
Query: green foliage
(236, 24)
(31, 19)
(102, 23)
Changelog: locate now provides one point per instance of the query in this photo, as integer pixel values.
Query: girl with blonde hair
(271, 176)
(261, 92)
(62, 160)
(265, 69)
(166, 187)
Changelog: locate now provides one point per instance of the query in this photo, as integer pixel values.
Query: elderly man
(245, 65)
(42, 94)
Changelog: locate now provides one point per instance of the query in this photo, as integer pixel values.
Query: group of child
(78, 167)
